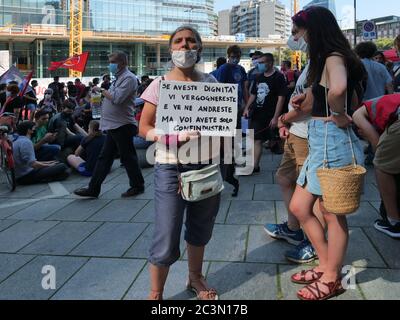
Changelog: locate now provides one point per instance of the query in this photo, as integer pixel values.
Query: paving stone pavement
(98, 248)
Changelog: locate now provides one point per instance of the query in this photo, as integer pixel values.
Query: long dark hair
(324, 38)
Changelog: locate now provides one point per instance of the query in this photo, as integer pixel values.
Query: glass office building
(136, 16)
(329, 4)
(124, 17)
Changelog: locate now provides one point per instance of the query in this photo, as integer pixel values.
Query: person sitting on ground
(106, 84)
(27, 169)
(73, 95)
(82, 114)
(14, 103)
(3, 94)
(85, 158)
(48, 104)
(43, 140)
(379, 122)
(70, 134)
(144, 83)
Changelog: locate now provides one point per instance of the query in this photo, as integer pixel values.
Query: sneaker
(392, 231)
(133, 192)
(303, 253)
(282, 231)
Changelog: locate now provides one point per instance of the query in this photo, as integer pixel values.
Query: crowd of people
(57, 134)
(321, 115)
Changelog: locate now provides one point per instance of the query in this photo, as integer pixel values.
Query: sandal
(335, 289)
(303, 275)
(208, 294)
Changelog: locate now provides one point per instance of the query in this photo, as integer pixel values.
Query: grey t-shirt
(24, 156)
(120, 110)
(378, 78)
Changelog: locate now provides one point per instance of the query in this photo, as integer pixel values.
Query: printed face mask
(184, 59)
(299, 45)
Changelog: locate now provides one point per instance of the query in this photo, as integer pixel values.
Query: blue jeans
(48, 152)
(338, 152)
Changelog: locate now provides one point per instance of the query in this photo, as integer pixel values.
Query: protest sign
(210, 108)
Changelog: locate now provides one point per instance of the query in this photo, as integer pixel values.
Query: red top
(382, 111)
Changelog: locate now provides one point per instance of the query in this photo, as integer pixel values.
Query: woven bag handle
(326, 124)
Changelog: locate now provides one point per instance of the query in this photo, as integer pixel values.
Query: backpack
(383, 111)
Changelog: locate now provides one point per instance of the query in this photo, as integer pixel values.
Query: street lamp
(256, 20)
(355, 23)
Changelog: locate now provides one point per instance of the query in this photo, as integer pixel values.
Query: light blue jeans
(338, 152)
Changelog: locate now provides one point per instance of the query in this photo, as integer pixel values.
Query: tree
(384, 43)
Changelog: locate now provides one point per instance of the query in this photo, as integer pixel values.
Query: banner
(77, 63)
(13, 74)
(210, 108)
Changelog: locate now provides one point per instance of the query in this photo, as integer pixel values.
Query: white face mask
(184, 59)
(297, 45)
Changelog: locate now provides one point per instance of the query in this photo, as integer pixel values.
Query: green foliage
(384, 43)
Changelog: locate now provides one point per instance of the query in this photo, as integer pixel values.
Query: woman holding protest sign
(185, 47)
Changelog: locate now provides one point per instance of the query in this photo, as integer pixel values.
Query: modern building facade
(329, 4)
(386, 27)
(256, 18)
(36, 32)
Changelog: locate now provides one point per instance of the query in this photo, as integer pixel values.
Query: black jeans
(118, 140)
(57, 172)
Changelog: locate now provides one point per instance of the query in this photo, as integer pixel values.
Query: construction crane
(75, 32)
(296, 56)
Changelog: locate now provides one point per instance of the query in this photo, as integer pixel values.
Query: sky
(366, 9)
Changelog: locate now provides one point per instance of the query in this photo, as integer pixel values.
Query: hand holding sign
(190, 108)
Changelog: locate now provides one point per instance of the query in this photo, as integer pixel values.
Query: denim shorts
(169, 216)
(338, 152)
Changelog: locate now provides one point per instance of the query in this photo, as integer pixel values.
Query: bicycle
(7, 164)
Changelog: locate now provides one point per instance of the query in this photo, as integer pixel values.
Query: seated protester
(106, 84)
(43, 141)
(14, 103)
(82, 114)
(48, 104)
(85, 158)
(69, 134)
(138, 141)
(27, 169)
(73, 95)
(379, 123)
(3, 94)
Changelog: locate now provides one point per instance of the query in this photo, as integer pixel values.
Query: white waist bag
(197, 185)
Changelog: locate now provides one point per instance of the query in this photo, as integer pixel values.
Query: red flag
(77, 63)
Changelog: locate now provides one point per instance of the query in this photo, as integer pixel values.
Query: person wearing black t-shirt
(3, 94)
(265, 104)
(85, 157)
(14, 103)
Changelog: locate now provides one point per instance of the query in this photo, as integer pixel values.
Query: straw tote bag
(341, 187)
